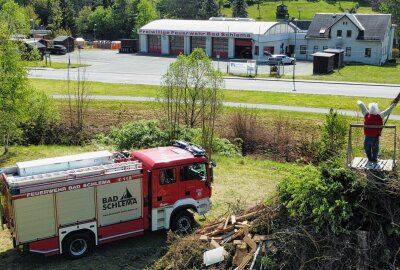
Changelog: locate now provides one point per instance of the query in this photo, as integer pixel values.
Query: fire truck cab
(68, 205)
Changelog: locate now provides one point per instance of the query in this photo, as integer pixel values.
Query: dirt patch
(133, 253)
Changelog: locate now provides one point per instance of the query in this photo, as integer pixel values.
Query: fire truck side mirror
(213, 163)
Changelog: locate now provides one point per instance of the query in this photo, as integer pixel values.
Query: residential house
(365, 38)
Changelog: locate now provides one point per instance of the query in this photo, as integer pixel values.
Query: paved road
(234, 104)
(109, 66)
(303, 87)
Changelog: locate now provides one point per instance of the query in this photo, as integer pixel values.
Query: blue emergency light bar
(192, 148)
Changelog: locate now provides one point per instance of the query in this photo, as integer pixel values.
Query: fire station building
(226, 37)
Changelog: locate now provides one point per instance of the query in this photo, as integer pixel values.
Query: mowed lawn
(388, 73)
(55, 65)
(257, 97)
(307, 9)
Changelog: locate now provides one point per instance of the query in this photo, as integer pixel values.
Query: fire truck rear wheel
(78, 245)
(182, 222)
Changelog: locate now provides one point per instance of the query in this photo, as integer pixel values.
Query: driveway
(112, 61)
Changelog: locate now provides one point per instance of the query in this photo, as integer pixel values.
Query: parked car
(57, 49)
(276, 58)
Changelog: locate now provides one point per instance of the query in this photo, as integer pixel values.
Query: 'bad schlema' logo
(115, 202)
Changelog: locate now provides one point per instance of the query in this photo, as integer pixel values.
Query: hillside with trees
(116, 19)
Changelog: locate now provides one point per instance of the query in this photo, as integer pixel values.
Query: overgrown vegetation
(327, 216)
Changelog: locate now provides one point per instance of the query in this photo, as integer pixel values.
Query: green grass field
(292, 99)
(389, 73)
(55, 65)
(307, 9)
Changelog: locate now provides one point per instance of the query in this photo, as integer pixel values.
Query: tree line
(115, 19)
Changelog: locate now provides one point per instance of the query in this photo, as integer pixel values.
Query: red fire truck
(68, 205)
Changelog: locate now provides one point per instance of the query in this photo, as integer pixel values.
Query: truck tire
(78, 245)
(182, 222)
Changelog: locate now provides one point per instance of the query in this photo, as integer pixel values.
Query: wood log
(239, 255)
(226, 222)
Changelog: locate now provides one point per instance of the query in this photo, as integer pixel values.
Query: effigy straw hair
(373, 108)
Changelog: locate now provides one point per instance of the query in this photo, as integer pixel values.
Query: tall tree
(55, 16)
(146, 13)
(68, 15)
(239, 9)
(33, 17)
(42, 10)
(392, 7)
(101, 19)
(123, 17)
(191, 95)
(209, 8)
(13, 76)
(83, 21)
(183, 9)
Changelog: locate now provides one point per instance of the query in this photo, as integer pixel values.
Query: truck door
(193, 181)
(166, 187)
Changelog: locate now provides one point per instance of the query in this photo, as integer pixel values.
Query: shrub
(140, 134)
(334, 135)
(395, 53)
(42, 119)
(314, 196)
(224, 147)
(246, 126)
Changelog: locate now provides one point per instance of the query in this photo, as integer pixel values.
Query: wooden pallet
(362, 164)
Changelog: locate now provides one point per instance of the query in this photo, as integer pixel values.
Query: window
(324, 48)
(348, 51)
(194, 172)
(344, 23)
(348, 33)
(256, 50)
(367, 52)
(167, 176)
(339, 33)
(303, 49)
(315, 48)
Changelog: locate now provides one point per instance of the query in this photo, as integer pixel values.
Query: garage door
(154, 43)
(243, 48)
(176, 45)
(197, 42)
(220, 46)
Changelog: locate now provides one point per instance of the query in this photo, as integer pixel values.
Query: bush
(224, 147)
(140, 134)
(334, 136)
(42, 119)
(314, 196)
(245, 125)
(395, 53)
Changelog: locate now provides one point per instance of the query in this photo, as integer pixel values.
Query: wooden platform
(362, 164)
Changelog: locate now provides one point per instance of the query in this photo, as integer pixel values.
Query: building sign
(194, 33)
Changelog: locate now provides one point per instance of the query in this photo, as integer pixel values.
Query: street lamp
(294, 50)
(294, 56)
(32, 25)
(94, 32)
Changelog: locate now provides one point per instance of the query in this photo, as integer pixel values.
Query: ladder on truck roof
(361, 163)
(54, 179)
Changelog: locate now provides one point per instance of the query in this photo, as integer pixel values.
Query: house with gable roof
(365, 38)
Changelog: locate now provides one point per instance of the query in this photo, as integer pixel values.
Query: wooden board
(363, 164)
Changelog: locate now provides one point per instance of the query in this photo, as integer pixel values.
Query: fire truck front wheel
(78, 245)
(182, 222)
